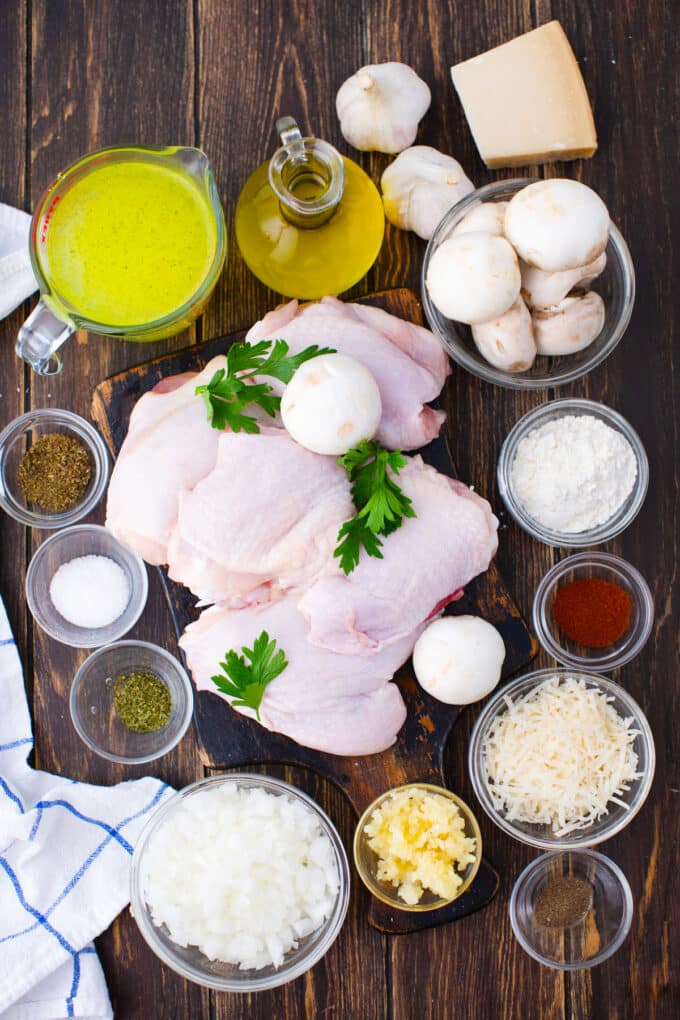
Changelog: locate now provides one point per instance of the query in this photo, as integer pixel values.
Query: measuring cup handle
(40, 337)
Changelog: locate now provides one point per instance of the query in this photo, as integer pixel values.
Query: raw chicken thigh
(425, 563)
(266, 518)
(169, 447)
(341, 704)
(251, 522)
(407, 362)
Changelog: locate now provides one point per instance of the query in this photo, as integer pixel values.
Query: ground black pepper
(54, 473)
(143, 702)
(562, 901)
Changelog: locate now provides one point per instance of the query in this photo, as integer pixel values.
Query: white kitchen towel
(17, 281)
(65, 850)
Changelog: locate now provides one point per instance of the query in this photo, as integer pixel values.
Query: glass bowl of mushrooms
(564, 322)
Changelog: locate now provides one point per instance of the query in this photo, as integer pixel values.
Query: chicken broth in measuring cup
(128, 242)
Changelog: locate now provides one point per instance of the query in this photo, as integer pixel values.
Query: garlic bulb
(381, 106)
(420, 187)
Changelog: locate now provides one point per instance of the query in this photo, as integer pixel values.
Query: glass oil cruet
(309, 222)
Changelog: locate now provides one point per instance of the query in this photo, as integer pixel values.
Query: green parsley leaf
(380, 503)
(230, 390)
(245, 682)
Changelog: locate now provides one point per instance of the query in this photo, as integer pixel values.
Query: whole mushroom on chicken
(330, 405)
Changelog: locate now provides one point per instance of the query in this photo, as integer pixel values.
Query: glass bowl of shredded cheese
(561, 759)
(417, 847)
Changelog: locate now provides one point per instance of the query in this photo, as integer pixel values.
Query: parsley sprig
(381, 504)
(230, 390)
(245, 682)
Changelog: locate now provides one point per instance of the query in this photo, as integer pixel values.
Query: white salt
(90, 591)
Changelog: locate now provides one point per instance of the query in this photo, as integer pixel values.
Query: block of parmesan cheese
(525, 101)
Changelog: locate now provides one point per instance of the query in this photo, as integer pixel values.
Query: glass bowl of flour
(573, 473)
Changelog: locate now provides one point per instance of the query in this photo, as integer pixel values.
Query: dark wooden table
(79, 74)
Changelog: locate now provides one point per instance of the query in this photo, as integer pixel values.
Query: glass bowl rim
(626, 918)
(534, 418)
(333, 923)
(96, 447)
(595, 662)
(488, 372)
(139, 567)
(367, 879)
(185, 721)
(530, 681)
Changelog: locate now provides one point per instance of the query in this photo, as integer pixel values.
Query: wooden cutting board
(229, 739)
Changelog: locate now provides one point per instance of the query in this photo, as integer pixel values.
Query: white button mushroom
(546, 290)
(487, 216)
(557, 224)
(571, 326)
(420, 187)
(474, 277)
(381, 106)
(458, 659)
(331, 404)
(507, 341)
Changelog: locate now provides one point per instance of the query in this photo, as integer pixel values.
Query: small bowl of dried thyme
(131, 702)
(54, 468)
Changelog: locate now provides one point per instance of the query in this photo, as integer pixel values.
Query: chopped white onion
(243, 874)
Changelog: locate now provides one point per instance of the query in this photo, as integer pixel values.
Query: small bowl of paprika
(593, 611)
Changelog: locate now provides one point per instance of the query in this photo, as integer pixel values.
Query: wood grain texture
(13, 87)
(103, 72)
(99, 76)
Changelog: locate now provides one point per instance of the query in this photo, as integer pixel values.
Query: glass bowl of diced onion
(529, 750)
(367, 861)
(195, 832)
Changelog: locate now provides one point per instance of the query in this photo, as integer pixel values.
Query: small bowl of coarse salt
(240, 882)
(573, 473)
(84, 588)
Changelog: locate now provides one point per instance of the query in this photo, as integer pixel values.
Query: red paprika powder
(592, 612)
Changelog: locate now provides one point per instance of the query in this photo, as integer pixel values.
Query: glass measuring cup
(180, 227)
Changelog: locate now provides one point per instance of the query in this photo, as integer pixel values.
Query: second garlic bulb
(420, 187)
(381, 106)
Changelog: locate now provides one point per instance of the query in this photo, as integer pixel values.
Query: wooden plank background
(79, 74)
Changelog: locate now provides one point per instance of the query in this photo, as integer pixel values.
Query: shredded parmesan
(559, 756)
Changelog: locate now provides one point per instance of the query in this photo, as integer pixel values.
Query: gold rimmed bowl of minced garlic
(417, 847)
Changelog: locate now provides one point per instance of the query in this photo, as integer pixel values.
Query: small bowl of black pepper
(571, 909)
(131, 702)
(54, 468)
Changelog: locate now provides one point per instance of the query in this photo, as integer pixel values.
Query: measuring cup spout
(40, 337)
(192, 161)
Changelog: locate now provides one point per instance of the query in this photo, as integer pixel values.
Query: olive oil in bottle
(309, 222)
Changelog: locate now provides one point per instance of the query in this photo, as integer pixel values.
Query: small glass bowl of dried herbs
(54, 468)
(131, 701)
(571, 909)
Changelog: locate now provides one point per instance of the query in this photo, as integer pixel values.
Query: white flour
(572, 474)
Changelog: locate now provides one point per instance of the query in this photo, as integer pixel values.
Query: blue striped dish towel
(65, 850)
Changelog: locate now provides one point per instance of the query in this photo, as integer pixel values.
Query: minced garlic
(419, 839)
